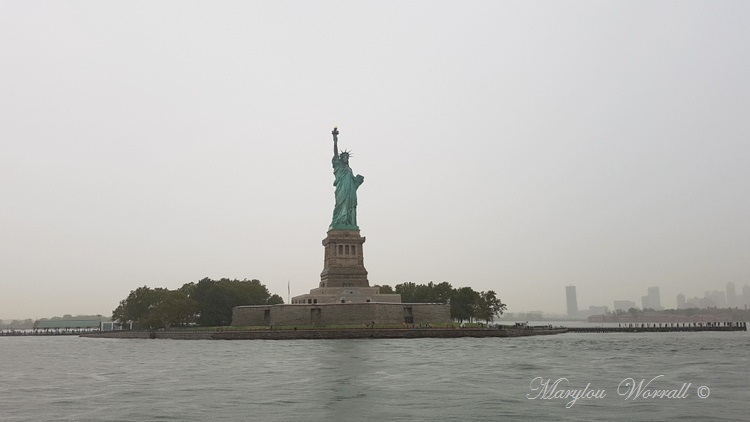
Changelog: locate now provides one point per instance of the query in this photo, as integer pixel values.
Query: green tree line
(466, 303)
(17, 324)
(206, 303)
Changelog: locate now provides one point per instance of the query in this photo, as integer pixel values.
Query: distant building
(713, 299)
(652, 299)
(653, 293)
(695, 302)
(718, 299)
(624, 305)
(115, 326)
(534, 316)
(523, 316)
(572, 300)
(598, 310)
(732, 295)
(681, 303)
(58, 325)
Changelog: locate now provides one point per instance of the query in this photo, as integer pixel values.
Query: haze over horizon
(519, 147)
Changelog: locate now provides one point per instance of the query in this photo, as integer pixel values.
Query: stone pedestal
(344, 277)
(343, 262)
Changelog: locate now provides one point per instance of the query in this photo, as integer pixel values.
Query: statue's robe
(345, 210)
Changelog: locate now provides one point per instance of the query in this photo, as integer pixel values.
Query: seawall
(357, 333)
(325, 334)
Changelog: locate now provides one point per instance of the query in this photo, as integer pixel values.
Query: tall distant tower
(731, 295)
(681, 304)
(570, 296)
(654, 298)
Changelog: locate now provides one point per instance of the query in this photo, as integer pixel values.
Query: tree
(424, 293)
(136, 306)
(174, 308)
(155, 308)
(217, 298)
(385, 289)
(635, 313)
(442, 292)
(464, 303)
(408, 292)
(18, 324)
(489, 306)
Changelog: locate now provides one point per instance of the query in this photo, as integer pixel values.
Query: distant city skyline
(717, 298)
(652, 300)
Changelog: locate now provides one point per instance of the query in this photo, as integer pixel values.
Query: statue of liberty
(345, 210)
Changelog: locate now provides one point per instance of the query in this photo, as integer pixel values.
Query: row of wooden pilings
(664, 327)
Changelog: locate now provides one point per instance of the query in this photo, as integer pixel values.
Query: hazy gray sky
(513, 146)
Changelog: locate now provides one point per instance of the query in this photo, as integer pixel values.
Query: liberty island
(343, 305)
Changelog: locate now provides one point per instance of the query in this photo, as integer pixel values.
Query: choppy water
(76, 379)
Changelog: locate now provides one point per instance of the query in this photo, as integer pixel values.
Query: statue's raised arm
(335, 134)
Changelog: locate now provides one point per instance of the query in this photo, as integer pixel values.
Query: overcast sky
(513, 146)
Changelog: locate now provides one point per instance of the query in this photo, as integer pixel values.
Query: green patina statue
(345, 210)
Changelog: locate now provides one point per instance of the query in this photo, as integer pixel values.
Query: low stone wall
(325, 334)
(377, 333)
(341, 314)
(172, 335)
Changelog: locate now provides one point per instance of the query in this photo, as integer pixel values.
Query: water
(77, 379)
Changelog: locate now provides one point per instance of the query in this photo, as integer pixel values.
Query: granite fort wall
(341, 314)
(319, 334)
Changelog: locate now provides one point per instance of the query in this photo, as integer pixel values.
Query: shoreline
(326, 334)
